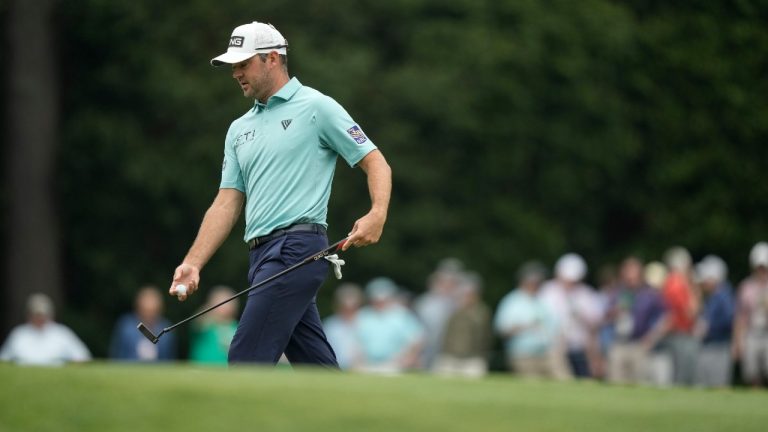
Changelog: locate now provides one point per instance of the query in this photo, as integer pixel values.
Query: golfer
(279, 160)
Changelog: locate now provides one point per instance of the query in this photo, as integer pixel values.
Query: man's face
(382, 303)
(445, 283)
(149, 305)
(38, 319)
(253, 77)
(708, 285)
(632, 272)
(761, 272)
(531, 283)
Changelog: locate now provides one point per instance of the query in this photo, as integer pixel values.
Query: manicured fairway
(103, 397)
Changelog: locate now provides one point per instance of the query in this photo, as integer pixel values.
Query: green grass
(104, 397)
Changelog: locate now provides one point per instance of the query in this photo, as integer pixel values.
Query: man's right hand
(185, 274)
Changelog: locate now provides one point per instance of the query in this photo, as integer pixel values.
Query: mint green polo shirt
(282, 155)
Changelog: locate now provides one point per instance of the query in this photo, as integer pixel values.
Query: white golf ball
(181, 290)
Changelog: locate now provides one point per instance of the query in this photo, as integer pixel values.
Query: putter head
(147, 333)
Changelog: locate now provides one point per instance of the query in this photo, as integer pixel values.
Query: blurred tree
(701, 110)
(31, 222)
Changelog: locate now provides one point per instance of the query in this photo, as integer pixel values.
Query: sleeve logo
(224, 164)
(357, 134)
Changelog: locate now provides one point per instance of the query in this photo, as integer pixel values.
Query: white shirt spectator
(53, 344)
(575, 309)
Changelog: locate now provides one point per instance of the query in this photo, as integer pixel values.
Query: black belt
(308, 227)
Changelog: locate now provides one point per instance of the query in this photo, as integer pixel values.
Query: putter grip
(341, 244)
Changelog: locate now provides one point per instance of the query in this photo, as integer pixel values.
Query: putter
(319, 255)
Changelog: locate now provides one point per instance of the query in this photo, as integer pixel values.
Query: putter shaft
(319, 255)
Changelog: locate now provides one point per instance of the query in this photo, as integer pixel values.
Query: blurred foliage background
(516, 129)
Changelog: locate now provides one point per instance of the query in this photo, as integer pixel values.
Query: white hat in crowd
(571, 267)
(678, 258)
(248, 40)
(712, 269)
(655, 273)
(758, 256)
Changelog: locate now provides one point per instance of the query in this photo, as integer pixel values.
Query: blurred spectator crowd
(671, 323)
(44, 342)
(446, 329)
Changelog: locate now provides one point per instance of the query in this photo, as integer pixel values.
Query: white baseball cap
(571, 267)
(712, 268)
(248, 40)
(655, 273)
(678, 258)
(758, 256)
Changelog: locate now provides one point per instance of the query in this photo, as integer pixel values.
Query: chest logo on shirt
(357, 134)
(244, 138)
(286, 123)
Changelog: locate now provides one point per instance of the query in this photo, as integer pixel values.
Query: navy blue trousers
(281, 317)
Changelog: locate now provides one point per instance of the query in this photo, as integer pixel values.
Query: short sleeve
(231, 176)
(505, 317)
(340, 133)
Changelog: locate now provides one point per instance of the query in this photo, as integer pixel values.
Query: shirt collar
(285, 93)
(288, 90)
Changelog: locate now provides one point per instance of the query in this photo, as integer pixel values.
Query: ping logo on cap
(236, 41)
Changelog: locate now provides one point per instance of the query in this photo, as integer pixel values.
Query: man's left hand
(366, 231)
